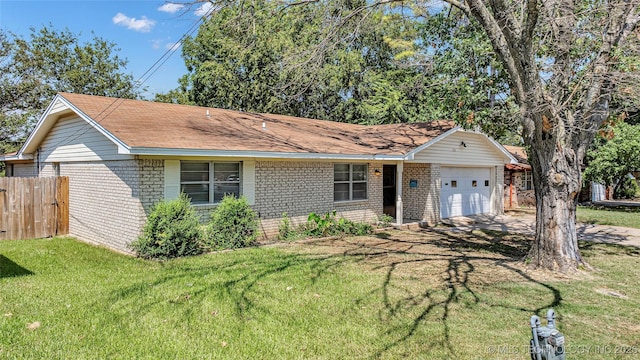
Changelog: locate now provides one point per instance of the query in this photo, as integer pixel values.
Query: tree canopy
(390, 68)
(34, 69)
(611, 160)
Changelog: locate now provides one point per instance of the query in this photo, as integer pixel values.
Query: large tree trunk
(556, 177)
(563, 98)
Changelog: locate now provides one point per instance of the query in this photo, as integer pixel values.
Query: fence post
(62, 202)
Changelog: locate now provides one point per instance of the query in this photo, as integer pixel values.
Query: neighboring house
(518, 180)
(518, 183)
(123, 156)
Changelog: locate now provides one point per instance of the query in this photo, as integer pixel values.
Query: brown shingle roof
(144, 124)
(521, 156)
(518, 152)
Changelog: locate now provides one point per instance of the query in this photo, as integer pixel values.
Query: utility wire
(86, 127)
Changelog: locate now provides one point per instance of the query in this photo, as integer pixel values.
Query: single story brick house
(123, 156)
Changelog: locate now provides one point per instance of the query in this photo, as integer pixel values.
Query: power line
(137, 84)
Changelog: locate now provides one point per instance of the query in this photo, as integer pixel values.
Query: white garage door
(465, 191)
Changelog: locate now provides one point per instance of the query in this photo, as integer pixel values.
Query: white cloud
(171, 8)
(204, 9)
(141, 25)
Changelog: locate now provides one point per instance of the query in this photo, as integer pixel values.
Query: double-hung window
(208, 182)
(349, 182)
(527, 180)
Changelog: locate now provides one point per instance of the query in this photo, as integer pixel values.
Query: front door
(389, 190)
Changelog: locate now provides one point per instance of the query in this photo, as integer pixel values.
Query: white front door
(465, 191)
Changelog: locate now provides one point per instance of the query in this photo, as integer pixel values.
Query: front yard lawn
(612, 217)
(431, 295)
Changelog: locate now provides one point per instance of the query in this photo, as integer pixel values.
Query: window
(486, 183)
(527, 180)
(349, 182)
(474, 183)
(454, 183)
(209, 182)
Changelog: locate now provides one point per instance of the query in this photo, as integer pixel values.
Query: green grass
(614, 217)
(432, 295)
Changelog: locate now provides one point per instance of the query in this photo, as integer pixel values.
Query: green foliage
(264, 59)
(329, 225)
(385, 220)
(610, 161)
(468, 83)
(286, 231)
(381, 68)
(319, 225)
(172, 230)
(33, 70)
(628, 189)
(234, 224)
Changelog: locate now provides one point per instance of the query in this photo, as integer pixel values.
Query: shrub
(348, 227)
(385, 220)
(233, 224)
(286, 231)
(328, 225)
(318, 225)
(628, 189)
(172, 230)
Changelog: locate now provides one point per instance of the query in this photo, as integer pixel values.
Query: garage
(465, 191)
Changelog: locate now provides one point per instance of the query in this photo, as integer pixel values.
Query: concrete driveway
(525, 224)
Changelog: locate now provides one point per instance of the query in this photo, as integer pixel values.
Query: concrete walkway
(525, 224)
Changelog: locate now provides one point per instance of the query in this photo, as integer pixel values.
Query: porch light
(377, 172)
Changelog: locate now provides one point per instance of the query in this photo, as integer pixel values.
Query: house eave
(146, 151)
(16, 157)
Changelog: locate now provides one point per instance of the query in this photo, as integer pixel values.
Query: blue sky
(143, 30)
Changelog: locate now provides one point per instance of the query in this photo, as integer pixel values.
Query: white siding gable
(73, 139)
(479, 151)
(57, 106)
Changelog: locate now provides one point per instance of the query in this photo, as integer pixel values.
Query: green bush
(628, 189)
(172, 230)
(328, 225)
(233, 224)
(286, 231)
(385, 220)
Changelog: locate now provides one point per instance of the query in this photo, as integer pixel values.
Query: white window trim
(527, 178)
(211, 182)
(351, 182)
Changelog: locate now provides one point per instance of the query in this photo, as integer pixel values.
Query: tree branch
(478, 9)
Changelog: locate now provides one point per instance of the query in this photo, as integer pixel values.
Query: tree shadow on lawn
(464, 263)
(8, 268)
(424, 276)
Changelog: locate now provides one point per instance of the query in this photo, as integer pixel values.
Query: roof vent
(264, 126)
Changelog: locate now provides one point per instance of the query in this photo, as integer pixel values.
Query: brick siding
(301, 187)
(109, 201)
(421, 203)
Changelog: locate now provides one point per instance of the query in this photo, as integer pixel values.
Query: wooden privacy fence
(33, 207)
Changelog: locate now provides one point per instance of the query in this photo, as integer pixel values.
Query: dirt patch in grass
(442, 257)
